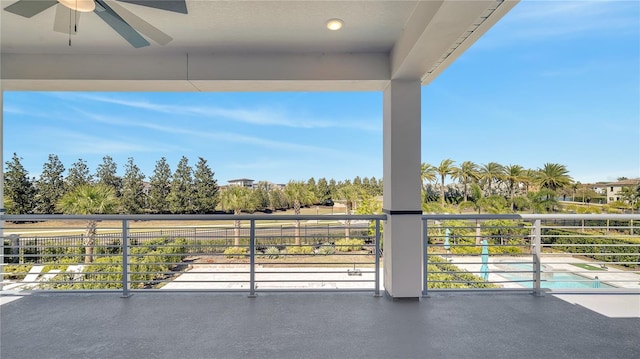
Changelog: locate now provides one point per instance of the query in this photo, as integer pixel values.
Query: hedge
(441, 274)
(629, 256)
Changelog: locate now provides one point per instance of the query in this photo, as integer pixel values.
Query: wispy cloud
(81, 143)
(213, 135)
(265, 164)
(541, 20)
(256, 116)
(579, 70)
(13, 110)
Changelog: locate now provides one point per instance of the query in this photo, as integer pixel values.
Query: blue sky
(553, 81)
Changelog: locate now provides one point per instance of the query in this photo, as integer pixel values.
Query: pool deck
(616, 277)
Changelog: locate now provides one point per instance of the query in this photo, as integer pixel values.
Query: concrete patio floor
(311, 325)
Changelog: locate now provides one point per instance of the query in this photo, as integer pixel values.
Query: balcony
(254, 303)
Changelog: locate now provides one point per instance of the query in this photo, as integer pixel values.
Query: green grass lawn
(60, 228)
(586, 266)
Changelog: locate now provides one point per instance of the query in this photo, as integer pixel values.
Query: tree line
(187, 190)
(496, 188)
(490, 187)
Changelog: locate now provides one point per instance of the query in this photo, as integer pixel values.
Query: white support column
(402, 232)
(1, 156)
(1, 182)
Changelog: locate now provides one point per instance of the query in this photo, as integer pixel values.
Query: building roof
(624, 183)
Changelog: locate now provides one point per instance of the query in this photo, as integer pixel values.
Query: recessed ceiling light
(334, 24)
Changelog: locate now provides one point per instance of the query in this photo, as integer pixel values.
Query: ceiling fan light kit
(79, 5)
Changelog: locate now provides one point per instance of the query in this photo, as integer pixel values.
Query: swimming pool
(550, 280)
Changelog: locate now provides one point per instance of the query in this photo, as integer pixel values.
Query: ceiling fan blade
(28, 8)
(64, 22)
(119, 25)
(142, 26)
(169, 5)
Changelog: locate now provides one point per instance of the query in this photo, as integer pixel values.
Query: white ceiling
(243, 45)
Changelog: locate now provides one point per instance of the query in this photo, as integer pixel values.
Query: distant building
(613, 189)
(242, 182)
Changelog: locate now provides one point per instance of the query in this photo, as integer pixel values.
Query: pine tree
(260, 196)
(313, 187)
(206, 188)
(133, 196)
(160, 186)
(19, 190)
(106, 175)
(323, 190)
(332, 188)
(182, 191)
(51, 185)
(78, 175)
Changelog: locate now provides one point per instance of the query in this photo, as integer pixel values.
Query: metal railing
(532, 252)
(129, 253)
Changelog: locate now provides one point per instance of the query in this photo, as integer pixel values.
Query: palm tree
(542, 201)
(351, 194)
(513, 175)
(89, 199)
(466, 173)
(445, 168)
(528, 178)
(427, 174)
(553, 176)
(300, 194)
(574, 188)
(491, 172)
(236, 198)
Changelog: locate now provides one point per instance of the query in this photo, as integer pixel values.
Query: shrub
(235, 252)
(594, 246)
(16, 271)
(209, 246)
(442, 274)
(272, 253)
(349, 245)
(300, 250)
(477, 249)
(150, 262)
(55, 251)
(326, 249)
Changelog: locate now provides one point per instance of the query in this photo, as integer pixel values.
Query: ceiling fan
(124, 22)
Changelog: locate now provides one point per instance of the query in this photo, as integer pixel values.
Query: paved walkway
(234, 277)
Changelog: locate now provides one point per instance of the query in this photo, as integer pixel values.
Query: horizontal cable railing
(532, 252)
(249, 253)
(254, 253)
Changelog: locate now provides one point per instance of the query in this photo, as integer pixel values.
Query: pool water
(555, 280)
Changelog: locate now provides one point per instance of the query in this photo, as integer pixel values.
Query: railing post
(537, 265)
(15, 251)
(425, 259)
(377, 249)
(126, 284)
(252, 259)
